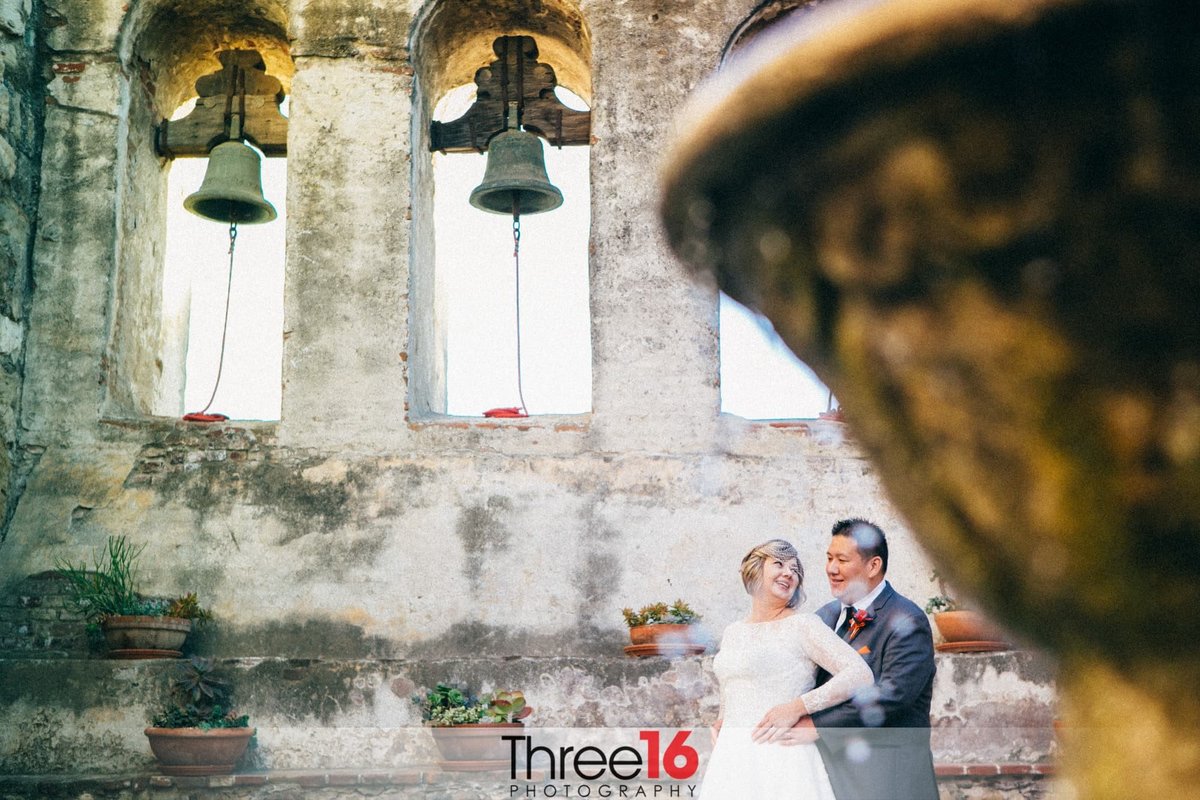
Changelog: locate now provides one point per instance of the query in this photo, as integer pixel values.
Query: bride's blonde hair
(752, 566)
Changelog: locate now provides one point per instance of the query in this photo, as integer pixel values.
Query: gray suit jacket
(876, 746)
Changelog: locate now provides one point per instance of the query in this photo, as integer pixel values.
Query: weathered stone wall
(21, 112)
(405, 530)
(343, 713)
(358, 532)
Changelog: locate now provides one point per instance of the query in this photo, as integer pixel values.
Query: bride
(766, 667)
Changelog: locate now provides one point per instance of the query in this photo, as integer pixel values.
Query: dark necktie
(844, 628)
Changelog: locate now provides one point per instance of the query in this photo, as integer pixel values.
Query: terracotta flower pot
(145, 637)
(965, 631)
(194, 751)
(474, 747)
(664, 633)
(665, 639)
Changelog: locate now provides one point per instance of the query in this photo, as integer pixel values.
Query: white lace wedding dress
(761, 665)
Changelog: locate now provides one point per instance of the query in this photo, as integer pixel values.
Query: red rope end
(510, 412)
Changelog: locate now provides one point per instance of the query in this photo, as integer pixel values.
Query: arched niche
(450, 40)
(765, 16)
(164, 47)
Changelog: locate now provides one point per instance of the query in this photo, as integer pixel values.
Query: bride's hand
(778, 721)
(803, 732)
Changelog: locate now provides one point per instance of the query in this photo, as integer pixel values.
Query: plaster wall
(358, 527)
(402, 526)
(21, 110)
(322, 714)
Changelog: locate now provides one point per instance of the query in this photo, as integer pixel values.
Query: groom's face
(850, 578)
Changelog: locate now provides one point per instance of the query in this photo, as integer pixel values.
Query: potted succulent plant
(661, 629)
(196, 732)
(133, 625)
(467, 729)
(963, 630)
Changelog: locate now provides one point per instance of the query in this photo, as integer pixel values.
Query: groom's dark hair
(868, 538)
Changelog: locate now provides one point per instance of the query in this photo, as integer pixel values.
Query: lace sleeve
(850, 673)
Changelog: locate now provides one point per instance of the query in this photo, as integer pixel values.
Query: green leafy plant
(199, 698)
(940, 603)
(109, 587)
(678, 613)
(449, 705)
(187, 606)
(506, 706)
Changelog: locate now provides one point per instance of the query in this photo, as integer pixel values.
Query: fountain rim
(833, 45)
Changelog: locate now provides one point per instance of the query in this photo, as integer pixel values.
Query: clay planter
(476, 747)
(145, 637)
(968, 632)
(195, 751)
(664, 639)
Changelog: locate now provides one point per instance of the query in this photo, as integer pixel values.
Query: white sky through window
(476, 276)
(197, 252)
(760, 376)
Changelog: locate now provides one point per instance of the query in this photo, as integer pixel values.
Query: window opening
(760, 376)
(230, 302)
(476, 281)
(195, 276)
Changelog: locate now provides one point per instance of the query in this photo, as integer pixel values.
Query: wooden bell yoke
(515, 77)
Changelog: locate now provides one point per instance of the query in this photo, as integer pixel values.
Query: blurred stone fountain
(979, 222)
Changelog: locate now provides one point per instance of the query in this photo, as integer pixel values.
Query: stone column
(645, 314)
(348, 238)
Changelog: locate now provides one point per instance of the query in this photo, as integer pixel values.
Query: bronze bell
(232, 187)
(515, 181)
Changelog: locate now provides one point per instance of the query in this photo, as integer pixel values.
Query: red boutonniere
(858, 622)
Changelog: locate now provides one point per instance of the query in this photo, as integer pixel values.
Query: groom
(876, 746)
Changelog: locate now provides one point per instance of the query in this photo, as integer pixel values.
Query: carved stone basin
(979, 222)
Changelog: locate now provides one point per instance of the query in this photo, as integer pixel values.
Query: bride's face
(779, 578)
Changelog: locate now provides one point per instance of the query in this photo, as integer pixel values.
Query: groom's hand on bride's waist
(803, 732)
(778, 721)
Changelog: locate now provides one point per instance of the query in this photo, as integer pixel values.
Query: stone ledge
(946, 770)
(417, 774)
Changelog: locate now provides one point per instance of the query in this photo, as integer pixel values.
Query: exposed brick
(342, 778)
(43, 614)
(1016, 769)
(189, 782)
(378, 778)
(949, 769)
(983, 769)
(250, 780)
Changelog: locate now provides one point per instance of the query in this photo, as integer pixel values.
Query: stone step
(955, 781)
